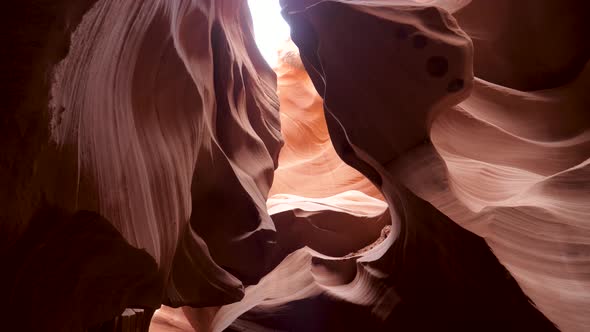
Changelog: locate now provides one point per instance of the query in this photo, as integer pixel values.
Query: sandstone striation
(409, 165)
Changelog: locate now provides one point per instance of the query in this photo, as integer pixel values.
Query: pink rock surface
(411, 165)
(512, 166)
(308, 163)
(157, 121)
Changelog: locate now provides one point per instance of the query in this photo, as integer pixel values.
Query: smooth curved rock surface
(318, 238)
(308, 163)
(157, 120)
(427, 168)
(512, 166)
(152, 107)
(530, 204)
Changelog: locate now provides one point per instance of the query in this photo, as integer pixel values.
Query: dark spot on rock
(455, 85)
(402, 33)
(437, 66)
(419, 41)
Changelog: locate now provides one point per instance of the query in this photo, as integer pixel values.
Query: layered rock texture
(409, 165)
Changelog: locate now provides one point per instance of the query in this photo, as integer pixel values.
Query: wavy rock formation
(507, 165)
(154, 105)
(319, 240)
(330, 228)
(174, 129)
(308, 163)
(427, 169)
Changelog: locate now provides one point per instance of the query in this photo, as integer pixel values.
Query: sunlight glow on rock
(270, 29)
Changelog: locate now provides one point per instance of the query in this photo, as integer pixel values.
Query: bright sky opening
(270, 29)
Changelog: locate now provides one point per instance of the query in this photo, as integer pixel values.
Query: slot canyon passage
(407, 165)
